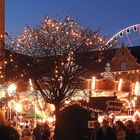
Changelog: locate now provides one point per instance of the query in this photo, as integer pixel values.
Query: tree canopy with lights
(54, 47)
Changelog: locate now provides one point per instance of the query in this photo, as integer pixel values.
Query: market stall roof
(110, 103)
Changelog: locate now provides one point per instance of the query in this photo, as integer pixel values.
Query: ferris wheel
(130, 36)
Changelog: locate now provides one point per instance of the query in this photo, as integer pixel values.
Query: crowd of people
(40, 132)
(9, 132)
(130, 130)
(119, 130)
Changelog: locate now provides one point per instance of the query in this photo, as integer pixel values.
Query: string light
(59, 41)
(136, 88)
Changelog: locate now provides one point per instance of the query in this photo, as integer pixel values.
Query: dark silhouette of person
(105, 132)
(131, 134)
(7, 132)
(37, 132)
(96, 126)
(45, 132)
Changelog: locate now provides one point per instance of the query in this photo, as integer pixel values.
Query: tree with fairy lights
(55, 45)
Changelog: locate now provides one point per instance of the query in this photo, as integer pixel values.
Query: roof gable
(123, 55)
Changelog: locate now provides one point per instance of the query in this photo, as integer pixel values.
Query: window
(123, 65)
(122, 53)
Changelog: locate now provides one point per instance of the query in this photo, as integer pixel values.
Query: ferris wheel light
(121, 34)
(124, 33)
(135, 28)
(128, 31)
(115, 38)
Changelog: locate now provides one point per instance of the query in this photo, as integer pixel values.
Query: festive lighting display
(120, 85)
(11, 89)
(56, 34)
(93, 85)
(123, 33)
(31, 85)
(58, 42)
(136, 88)
(55, 46)
(18, 107)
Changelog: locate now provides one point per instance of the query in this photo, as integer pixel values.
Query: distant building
(118, 75)
(123, 63)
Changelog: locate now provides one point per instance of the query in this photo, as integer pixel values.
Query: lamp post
(18, 108)
(35, 98)
(11, 91)
(35, 115)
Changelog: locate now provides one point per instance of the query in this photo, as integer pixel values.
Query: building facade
(125, 66)
(2, 36)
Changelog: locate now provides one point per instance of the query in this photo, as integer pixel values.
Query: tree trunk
(56, 131)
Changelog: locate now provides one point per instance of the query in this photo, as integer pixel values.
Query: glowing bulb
(120, 85)
(11, 89)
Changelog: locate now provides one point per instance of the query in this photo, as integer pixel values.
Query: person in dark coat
(96, 126)
(105, 132)
(7, 132)
(45, 133)
(131, 134)
(120, 131)
(137, 130)
(37, 132)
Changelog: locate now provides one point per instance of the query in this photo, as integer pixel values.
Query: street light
(11, 89)
(10, 105)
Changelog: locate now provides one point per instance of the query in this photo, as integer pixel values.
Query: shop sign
(113, 105)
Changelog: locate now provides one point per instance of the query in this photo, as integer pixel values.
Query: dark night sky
(109, 15)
